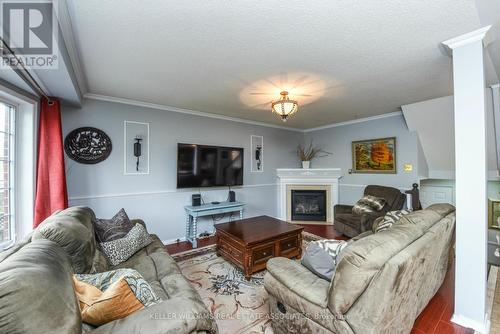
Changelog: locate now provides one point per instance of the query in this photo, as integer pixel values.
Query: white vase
(306, 164)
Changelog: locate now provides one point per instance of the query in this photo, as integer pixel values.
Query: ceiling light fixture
(284, 107)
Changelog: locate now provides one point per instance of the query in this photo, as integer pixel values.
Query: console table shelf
(194, 212)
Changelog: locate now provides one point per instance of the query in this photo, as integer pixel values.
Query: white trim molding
(138, 103)
(183, 111)
(473, 36)
(163, 192)
(469, 323)
(355, 121)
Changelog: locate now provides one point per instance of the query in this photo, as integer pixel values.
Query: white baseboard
(477, 326)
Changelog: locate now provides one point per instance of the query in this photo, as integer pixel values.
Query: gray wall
(337, 140)
(154, 197)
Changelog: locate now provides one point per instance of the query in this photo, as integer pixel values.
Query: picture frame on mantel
(136, 148)
(257, 152)
(374, 156)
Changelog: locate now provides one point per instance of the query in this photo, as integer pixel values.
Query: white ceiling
(351, 59)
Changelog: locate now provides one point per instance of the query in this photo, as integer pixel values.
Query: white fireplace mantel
(297, 176)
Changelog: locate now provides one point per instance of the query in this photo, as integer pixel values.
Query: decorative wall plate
(87, 145)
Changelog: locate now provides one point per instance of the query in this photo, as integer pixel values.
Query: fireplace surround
(324, 180)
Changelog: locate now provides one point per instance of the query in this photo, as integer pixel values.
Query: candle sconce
(137, 151)
(136, 148)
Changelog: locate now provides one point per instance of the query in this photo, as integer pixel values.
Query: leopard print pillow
(120, 250)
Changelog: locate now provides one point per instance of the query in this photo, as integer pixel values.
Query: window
(7, 136)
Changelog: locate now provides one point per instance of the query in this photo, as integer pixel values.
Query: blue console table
(193, 212)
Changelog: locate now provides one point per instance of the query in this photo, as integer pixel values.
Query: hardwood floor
(434, 319)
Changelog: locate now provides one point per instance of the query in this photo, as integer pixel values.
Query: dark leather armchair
(351, 225)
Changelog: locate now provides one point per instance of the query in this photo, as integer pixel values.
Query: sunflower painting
(374, 156)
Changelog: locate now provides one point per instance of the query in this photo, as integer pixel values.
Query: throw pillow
(390, 218)
(114, 228)
(98, 307)
(140, 287)
(368, 204)
(120, 250)
(321, 257)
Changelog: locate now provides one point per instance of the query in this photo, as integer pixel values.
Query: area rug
(239, 306)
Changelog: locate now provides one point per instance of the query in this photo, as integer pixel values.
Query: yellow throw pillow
(98, 307)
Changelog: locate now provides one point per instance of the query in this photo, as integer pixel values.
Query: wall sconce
(137, 150)
(258, 157)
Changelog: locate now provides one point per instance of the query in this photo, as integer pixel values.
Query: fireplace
(308, 205)
(323, 184)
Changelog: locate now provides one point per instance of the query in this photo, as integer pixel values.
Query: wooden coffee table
(249, 243)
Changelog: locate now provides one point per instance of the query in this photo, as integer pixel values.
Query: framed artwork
(374, 156)
(494, 214)
(136, 148)
(257, 151)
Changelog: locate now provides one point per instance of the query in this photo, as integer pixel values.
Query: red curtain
(51, 191)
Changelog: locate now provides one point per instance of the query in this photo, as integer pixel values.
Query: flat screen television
(208, 166)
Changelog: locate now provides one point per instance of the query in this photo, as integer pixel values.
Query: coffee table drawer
(289, 244)
(263, 254)
(230, 250)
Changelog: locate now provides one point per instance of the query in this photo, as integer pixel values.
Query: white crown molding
(183, 111)
(138, 103)
(473, 36)
(354, 121)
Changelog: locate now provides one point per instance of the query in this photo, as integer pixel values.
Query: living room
(250, 174)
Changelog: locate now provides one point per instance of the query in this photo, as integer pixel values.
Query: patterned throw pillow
(120, 250)
(368, 204)
(141, 289)
(114, 228)
(390, 218)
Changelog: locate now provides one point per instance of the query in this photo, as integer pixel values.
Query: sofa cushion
(36, 291)
(72, 230)
(443, 209)
(120, 250)
(114, 228)
(299, 280)
(362, 260)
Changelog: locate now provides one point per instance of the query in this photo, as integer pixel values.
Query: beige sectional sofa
(36, 288)
(381, 284)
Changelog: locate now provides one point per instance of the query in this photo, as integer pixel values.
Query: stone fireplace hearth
(307, 196)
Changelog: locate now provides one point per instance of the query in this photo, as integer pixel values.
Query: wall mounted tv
(208, 166)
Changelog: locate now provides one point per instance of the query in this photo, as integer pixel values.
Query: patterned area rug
(239, 306)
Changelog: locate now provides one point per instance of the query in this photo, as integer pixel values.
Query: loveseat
(37, 293)
(382, 282)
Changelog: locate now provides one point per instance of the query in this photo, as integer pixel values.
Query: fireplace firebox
(308, 205)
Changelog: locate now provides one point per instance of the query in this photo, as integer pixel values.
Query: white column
(471, 176)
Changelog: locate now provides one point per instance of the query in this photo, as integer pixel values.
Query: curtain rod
(23, 72)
